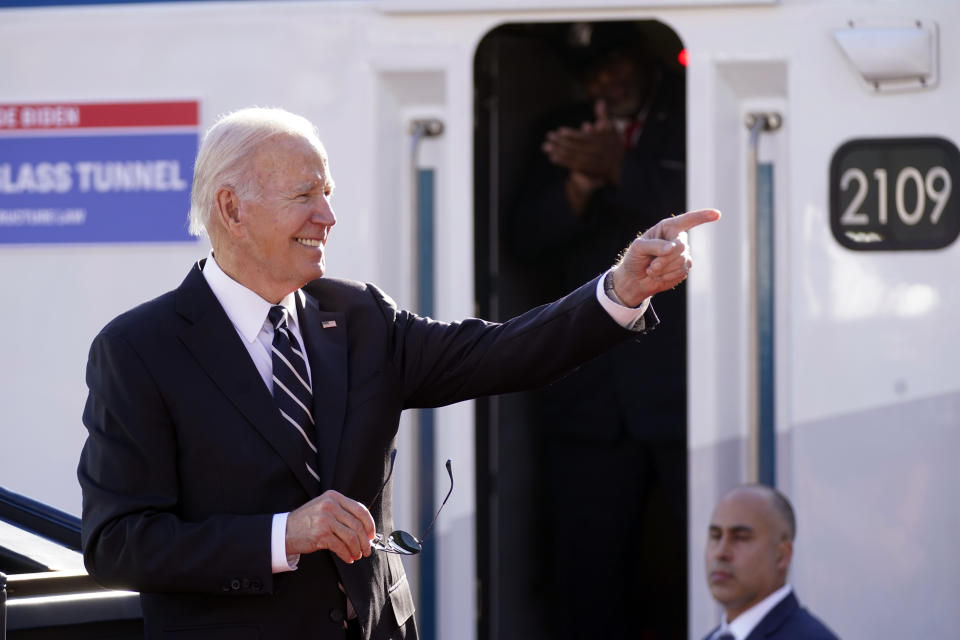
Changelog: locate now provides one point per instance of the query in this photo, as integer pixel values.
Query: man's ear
(784, 554)
(228, 209)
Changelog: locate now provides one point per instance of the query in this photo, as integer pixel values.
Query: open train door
(601, 454)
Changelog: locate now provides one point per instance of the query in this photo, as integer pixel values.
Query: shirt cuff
(627, 317)
(279, 560)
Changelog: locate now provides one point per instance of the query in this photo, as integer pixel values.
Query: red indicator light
(682, 57)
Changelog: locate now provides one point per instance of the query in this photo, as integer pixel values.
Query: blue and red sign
(118, 172)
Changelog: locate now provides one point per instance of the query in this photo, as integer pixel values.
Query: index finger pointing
(689, 220)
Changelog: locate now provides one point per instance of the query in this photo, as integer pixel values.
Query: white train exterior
(865, 374)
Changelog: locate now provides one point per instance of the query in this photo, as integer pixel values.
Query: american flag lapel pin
(328, 324)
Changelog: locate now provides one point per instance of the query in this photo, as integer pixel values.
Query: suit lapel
(213, 341)
(325, 337)
(772, 622)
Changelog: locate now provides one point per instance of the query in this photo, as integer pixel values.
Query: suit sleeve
(442, 363)
(132, 534)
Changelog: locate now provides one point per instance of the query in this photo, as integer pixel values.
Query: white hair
(228, 146)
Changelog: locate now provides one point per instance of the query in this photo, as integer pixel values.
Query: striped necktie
(291, 385)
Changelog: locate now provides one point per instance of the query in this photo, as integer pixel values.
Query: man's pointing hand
(659, 259)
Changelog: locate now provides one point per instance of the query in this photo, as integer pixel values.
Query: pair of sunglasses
(401, 542)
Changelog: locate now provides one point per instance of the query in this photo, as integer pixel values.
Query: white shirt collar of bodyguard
(745, 623)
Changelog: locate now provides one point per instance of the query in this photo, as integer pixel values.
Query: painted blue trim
(766, 414)
(427, 607)
(425, 282)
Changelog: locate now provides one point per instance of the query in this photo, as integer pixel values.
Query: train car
(820, 318)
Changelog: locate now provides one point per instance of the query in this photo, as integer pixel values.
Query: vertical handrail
(3, 606)
(422, 190)
(761, 451)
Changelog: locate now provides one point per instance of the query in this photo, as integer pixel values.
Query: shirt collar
(245, 308)
(745, 623)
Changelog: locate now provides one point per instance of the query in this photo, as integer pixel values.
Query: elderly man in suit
(749, 548)
(241, 427)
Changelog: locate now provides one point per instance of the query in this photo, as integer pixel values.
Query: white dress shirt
(248, 313)
(627, 317)
(746, 622)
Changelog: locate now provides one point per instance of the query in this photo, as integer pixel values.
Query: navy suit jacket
(187, 458)
(788, 621)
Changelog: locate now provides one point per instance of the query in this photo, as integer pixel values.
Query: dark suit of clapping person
(600, 171)
(196, 490)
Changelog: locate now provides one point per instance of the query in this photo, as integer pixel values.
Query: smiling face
(619, 83)
(748, 549)
(277, 233)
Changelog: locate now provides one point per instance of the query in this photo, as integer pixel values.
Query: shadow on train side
(48, 593)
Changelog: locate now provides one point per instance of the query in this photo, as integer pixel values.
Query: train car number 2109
(895, 194)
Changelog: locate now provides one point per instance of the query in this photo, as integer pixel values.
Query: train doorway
(581, 487)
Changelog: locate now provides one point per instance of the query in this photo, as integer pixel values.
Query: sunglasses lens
(403, 542)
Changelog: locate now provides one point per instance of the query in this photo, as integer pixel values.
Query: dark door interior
(581, 504)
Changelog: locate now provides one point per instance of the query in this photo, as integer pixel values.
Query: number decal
(852, 215)
(895, 194)
(941, 195)
(910, 217)
(881, 176)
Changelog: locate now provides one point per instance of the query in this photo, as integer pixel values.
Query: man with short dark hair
(749, 548)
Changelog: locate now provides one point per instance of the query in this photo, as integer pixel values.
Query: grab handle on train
(761, 445)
